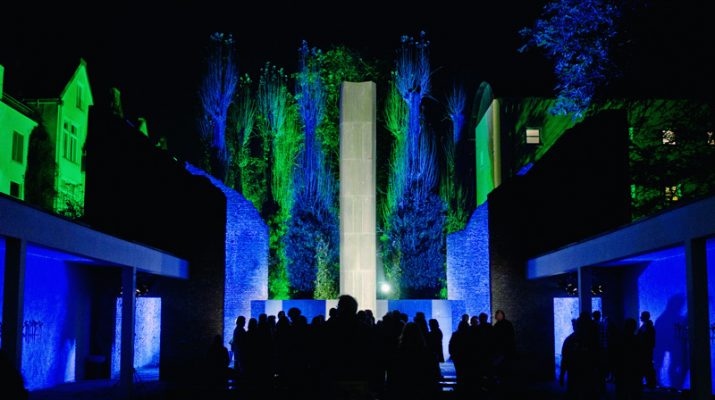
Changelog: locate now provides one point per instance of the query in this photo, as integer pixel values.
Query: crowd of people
(351, 354)
(598, 352)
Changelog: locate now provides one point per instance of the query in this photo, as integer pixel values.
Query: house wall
(11, 121)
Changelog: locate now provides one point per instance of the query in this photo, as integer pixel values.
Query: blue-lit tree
(311, 242)
(451, 188)
(216, 93)
(576, 35)
(416, 226)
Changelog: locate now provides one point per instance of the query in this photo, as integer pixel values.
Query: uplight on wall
(533, 136)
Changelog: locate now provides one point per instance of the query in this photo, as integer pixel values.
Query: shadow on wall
(670, 355)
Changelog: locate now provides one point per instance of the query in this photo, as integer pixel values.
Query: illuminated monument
(358, 250)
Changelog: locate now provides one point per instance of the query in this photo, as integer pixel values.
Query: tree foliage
(576, 35)
(216, 93)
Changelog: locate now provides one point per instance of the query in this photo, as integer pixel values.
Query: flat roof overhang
(21, 221)
(662, 231)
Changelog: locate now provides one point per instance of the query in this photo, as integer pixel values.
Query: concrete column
(126, 356)
(358, 241)
(584, 289)
(698, 319)
(14, 299)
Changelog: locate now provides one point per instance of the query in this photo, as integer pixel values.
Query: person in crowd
(434, 340)
(626, 364)
(484, 346)
(601, 352)
(645, 339)
(459, 352)
(238, 342)
(415, 374)
(504, 340)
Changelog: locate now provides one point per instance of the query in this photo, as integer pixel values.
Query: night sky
(155, 55)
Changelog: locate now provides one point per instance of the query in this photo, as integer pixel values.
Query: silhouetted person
(12, 386)
(218, 360)
(332, 312)
(421, 321)
(348, 354)
(484, 346)
(504, 343)
(568, 371)
(415, 374)
(459, 351)
(627, 364)
(646, 344)
(465, 318)
(238, 342)
(434, 340)
(600, 353)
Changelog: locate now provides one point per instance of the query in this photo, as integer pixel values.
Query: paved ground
(148, 389)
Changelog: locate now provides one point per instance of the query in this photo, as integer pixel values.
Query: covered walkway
(29, 236)
(659, 249)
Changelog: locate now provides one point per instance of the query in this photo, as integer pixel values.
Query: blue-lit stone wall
(54, 313)
(147, 334)
(566, 309)
(246, 249)
(308, 308)
(468, 263)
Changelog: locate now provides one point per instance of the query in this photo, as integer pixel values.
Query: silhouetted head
(293, 313)
(433, 324)
(483, 317)
(420, 316)
(463, 326)
(252, 324)
(645, 316)
(241, 321)
(629, 327)
(411, 338)
(403, 317)
(317, 320)
(474, 321)
(332, 312)
(347, 306)
(262, 319)
(499, 315)
(281, 314)
(465, 317)
(596, 315)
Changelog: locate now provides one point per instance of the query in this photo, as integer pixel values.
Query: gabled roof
(41, 81)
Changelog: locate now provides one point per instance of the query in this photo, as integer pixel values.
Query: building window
(69, 143)
(80, 92)
(673, 193)
(18, 142)
(711, 138)
(533, 136)
(15, 189)
(668, 137)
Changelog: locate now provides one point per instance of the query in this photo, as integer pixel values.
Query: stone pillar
(358, 246)
(14, 300)
(126, 355)
(584, 290)
(696, 273)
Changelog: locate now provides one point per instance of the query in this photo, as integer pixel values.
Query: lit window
(533, 136)
(79, 99)
(669, 137)
(673, 193)
(711, 138)
(69, 143)
(14, 189)
(18, 142)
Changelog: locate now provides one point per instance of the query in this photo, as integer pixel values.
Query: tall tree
(312, 237)
(416, 227)
(216, 93)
